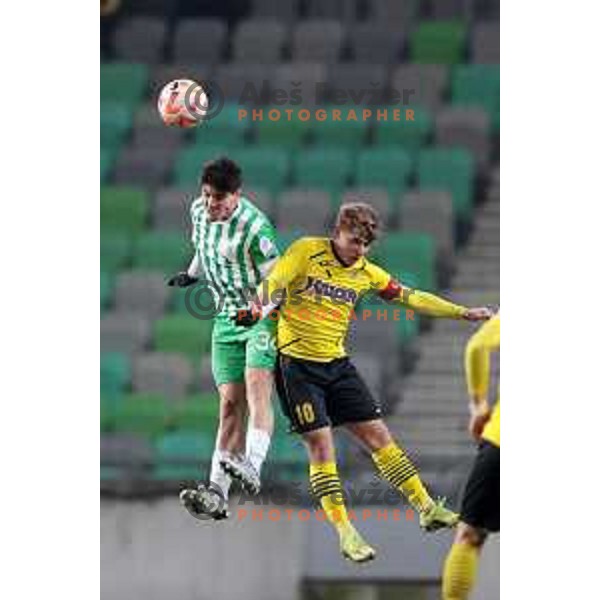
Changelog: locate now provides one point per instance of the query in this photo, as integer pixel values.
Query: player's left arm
(425, 303)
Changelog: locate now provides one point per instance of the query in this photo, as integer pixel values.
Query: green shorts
(236, 348)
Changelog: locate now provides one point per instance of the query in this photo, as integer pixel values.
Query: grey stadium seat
(143, 165)
(394, 11)
(259, 41)
(162, 373)
(466, 127)
(199, 40)
(307, 74)
(261, 198)
(124, 449)
(234, 78)
(485, 44)
(342, 10)
(429, 83)
(140, 39)
(377, 198)
(170, 209)
(452, 9)
(317, 41)
(370, 368)
(363, 80)
(154, 134)
(304, 210)
(376, 41)
(143, 292)
(285, 10)
(162, 74)
(124, 332)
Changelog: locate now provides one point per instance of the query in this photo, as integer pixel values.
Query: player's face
(220, 205)
(350, 246)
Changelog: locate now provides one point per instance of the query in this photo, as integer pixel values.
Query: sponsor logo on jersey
(337, 293)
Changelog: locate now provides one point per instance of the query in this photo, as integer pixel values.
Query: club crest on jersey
(337, 293)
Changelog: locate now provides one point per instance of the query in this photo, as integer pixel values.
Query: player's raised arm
(189, 277)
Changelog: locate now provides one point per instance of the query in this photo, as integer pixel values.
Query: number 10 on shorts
(305, 413)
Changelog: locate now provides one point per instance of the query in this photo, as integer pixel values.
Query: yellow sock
(460, 569)
(396, 467)
(327, 487)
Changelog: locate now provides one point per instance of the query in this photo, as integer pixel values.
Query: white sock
(257, 446)
(218, 477)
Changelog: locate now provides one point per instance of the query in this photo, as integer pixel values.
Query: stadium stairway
(431, 419)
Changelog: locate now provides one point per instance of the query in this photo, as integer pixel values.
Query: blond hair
(359, 218)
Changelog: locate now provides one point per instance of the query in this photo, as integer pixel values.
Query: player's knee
(467, 534)
(319, 448)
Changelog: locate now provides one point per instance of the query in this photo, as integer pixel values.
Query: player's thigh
(228, 357)
(480, 506)
(261, 346)
(301, 395)
(348, 398)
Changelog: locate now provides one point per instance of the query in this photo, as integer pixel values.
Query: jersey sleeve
(477, 356)
(263, 249)
(195, 212)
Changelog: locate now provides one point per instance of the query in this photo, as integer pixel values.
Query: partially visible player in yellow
(480, 510)
(316, 284)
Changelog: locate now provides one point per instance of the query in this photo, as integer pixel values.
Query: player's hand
(480, 415)
(482, 313)
(248, 317)
(181, 280)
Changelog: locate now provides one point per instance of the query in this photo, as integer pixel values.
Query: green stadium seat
(411, 136)
(108, 408)
(184, 334)
(115, 251)
(107, 158)
(341, 133)
(179, 455)
(224, 129)
(162, 251)
(115, 374)
(123, 209)
(123, 82)
(410, 257)
(438, 42)
(285, 239)
(287, 458)
(290, 134)
(384, 168)
(451, 169)
(116, 120)
(142, 413)
(264, 167)
(105, 289)
(188, 164)
(198, 413)
(325, 168)
(478, 85)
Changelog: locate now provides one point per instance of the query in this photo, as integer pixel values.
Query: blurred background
(435, 182)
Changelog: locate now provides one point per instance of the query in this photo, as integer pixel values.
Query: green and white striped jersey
(236, 254)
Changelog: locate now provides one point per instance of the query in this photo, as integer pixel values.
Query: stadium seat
(262, 199)
(115, 251)
(167, 252)
(143, 165)
(142, 292)
(452, 9)
(394, 12)
(377, 42)
(357, 85)
(188, 163)
(451, 169)
(199, 40)
(317, 40)
(478, 85)
(283, 133)
(305, 210)
(170, 209)
(258, 40)
(342, 10)
(124, 449)
(242, 83)
(143, 414)
(180, 455)
(162, 373)
(123, 82)
(123, 209)
(124, 332)
(105, 289)
(410, 257)
(302, 79)
(107, 158)
(485, 43)
(340, 133)
(438, 42)
(148, 129)
(197, 413)
(115, 373)
(327, 168)
(467, 127)
(420, 85)
(409, 136)
(384, 168)
(184, 334)
(226, 128)
(140, 39)
(264, 166)
(160, 75)
(377, 197)
(115, 123)
(287, 11)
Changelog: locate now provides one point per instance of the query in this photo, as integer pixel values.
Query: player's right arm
(477, 369)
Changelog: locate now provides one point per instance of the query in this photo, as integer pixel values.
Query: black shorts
(481, 501)
(316, 394)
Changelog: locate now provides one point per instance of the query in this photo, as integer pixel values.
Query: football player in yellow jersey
(312, 291)
(480, 510)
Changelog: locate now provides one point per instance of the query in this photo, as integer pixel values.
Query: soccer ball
(182, 103)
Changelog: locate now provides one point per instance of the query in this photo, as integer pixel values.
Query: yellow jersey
(477, 367)
(319, 293)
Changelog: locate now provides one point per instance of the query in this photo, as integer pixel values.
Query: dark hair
(223, 175)
(359, 218)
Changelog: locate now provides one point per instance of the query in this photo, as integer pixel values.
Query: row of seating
(270, 40)
(418, 85)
